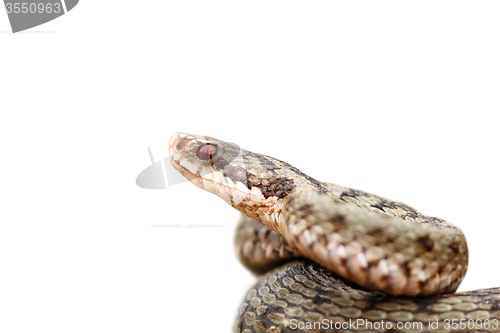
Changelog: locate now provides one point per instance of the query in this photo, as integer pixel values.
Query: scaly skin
(381, 248)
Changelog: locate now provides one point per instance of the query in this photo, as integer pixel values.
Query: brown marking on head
(306, 208)
(376, 232)
(339, 220)
(426, 242)
(455, 247)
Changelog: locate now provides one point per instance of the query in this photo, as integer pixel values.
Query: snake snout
(178, 141)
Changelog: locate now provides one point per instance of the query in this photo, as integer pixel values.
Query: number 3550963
(25, 8)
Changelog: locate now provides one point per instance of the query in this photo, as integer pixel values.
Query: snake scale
(334, 259)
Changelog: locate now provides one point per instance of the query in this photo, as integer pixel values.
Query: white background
(397, 99)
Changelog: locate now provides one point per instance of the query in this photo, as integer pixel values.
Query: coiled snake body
(331, 258)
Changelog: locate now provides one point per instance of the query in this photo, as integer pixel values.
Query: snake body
(332, 258)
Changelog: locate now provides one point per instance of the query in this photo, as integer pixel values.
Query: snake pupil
(207, 152)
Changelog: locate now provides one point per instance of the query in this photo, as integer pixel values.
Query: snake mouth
(206, 162)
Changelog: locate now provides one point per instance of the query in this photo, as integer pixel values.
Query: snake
(330, 258)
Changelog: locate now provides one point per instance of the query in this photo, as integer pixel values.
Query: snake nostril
(180, 146)
(207, 152)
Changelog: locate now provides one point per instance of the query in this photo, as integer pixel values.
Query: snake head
(254, 184)
(213, 165)
(199, 157)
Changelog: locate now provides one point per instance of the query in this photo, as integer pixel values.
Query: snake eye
(207, 152)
